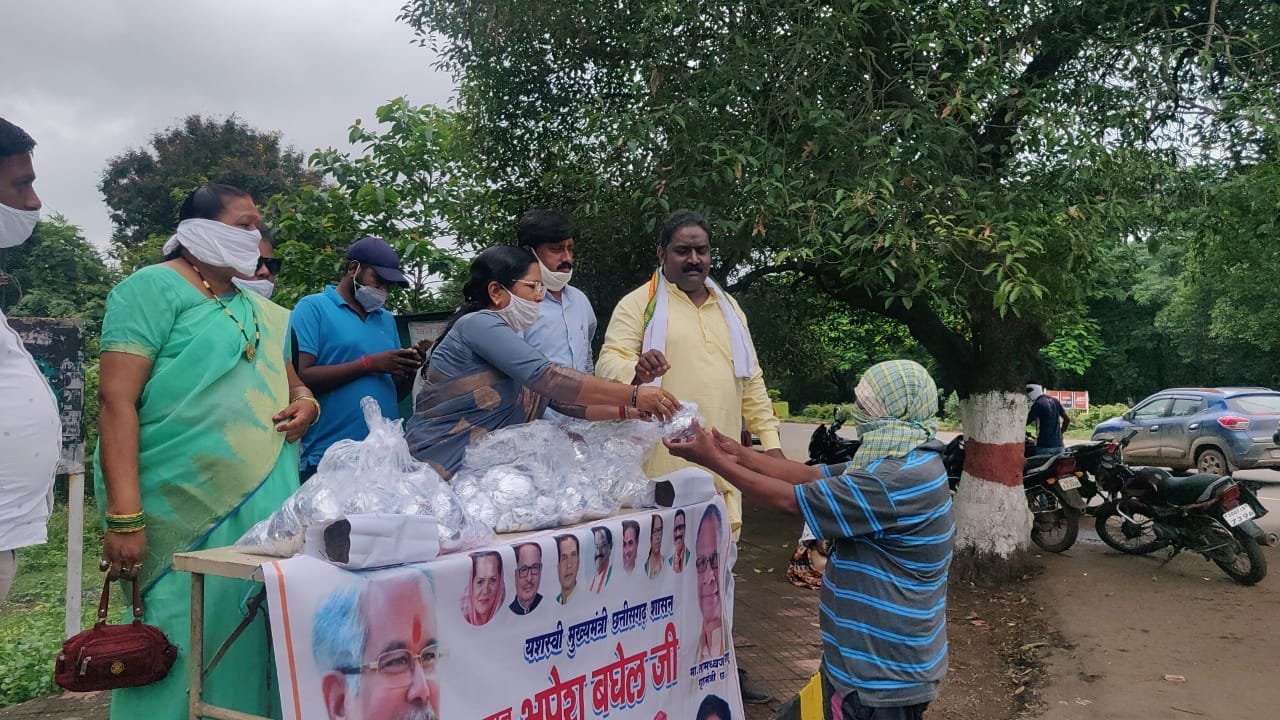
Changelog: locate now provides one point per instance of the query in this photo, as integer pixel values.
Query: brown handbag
(107, 657)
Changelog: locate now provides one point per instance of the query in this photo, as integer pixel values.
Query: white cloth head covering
(218, 244)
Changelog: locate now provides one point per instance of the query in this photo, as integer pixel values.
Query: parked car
(1214, 430)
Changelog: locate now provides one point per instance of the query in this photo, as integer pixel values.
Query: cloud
(98, 78)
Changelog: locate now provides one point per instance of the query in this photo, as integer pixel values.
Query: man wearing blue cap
(348, 348)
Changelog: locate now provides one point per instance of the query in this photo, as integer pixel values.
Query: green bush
(821, 412)
(27, 650)
(31, 617)
(951, 409)
(1088, 419)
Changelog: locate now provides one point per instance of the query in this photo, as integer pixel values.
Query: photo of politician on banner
(561, 624)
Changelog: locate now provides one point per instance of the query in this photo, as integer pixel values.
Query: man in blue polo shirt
(348, 348)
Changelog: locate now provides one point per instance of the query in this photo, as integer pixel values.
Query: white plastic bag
(376, 475)
(548, 474)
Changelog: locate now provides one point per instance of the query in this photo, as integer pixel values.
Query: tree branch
(954, 353)
(744, 283)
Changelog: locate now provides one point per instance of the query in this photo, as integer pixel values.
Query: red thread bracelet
(364, 362)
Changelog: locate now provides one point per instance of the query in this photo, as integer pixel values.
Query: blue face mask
(370, 298)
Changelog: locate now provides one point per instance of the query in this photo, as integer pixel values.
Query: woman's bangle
(366, 363)
(635, 395)
(132, 522)
(313, 400)
(122, 531)
(622, 412)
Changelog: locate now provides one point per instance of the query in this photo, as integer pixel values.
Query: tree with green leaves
(57, 274)
(400, 184)
(1222, 307)
(814, 347)
(959, 167)
(144, 187)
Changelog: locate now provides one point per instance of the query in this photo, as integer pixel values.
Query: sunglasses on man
(272, 265)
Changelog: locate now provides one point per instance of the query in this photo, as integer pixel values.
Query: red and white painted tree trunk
(990, 506)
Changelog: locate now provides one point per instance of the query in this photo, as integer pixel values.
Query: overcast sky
(91, 78)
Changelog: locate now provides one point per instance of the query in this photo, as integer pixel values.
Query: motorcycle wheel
(1247, 565)
(1056, 532)
(1125, 536)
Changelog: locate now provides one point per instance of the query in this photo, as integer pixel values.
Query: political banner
(626, 617)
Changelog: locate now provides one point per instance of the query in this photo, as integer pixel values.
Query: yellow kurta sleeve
(624, 338)
(757, 410)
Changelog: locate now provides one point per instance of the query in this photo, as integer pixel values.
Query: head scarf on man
(894, 407)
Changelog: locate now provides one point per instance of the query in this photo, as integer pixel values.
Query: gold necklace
(250, 348)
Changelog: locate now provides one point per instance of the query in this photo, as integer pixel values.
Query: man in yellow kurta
(695, 343)
(682, 331)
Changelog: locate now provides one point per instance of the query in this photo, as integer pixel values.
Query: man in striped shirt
(883, 605)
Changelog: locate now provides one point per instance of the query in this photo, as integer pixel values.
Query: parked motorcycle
(1089, 458)
(1212, 515)
(1052, 485)
(826, 447)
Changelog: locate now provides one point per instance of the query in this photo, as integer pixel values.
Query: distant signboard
(414, 329)
(57, 344)
(1071, 399)
(420, 330)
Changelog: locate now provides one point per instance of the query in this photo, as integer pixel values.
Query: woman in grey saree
(484, 376)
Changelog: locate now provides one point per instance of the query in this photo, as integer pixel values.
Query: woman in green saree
(201, 411)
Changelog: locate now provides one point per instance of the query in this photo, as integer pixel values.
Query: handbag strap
(102, 601)
(137, 600)
(106, 594)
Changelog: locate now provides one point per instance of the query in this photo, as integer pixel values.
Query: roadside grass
(31, 617)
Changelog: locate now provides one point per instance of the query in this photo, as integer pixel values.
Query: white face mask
(520, 314)
(554, 281)
(218, 244)
(370, 298)
(262, 287)
(16, 225)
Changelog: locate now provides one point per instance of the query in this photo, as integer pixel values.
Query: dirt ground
(1149, 641)
(991, 674)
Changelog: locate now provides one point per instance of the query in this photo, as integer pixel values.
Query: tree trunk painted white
(990, 505)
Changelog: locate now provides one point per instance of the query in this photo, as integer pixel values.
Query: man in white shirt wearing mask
(566, 321)
(348, 347)
(30, 431)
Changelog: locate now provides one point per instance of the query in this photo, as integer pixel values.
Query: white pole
(75, 551)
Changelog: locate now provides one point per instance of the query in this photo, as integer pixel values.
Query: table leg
(195, 648)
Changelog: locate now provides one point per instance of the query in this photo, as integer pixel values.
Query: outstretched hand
(701, 447)
(729, 445)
